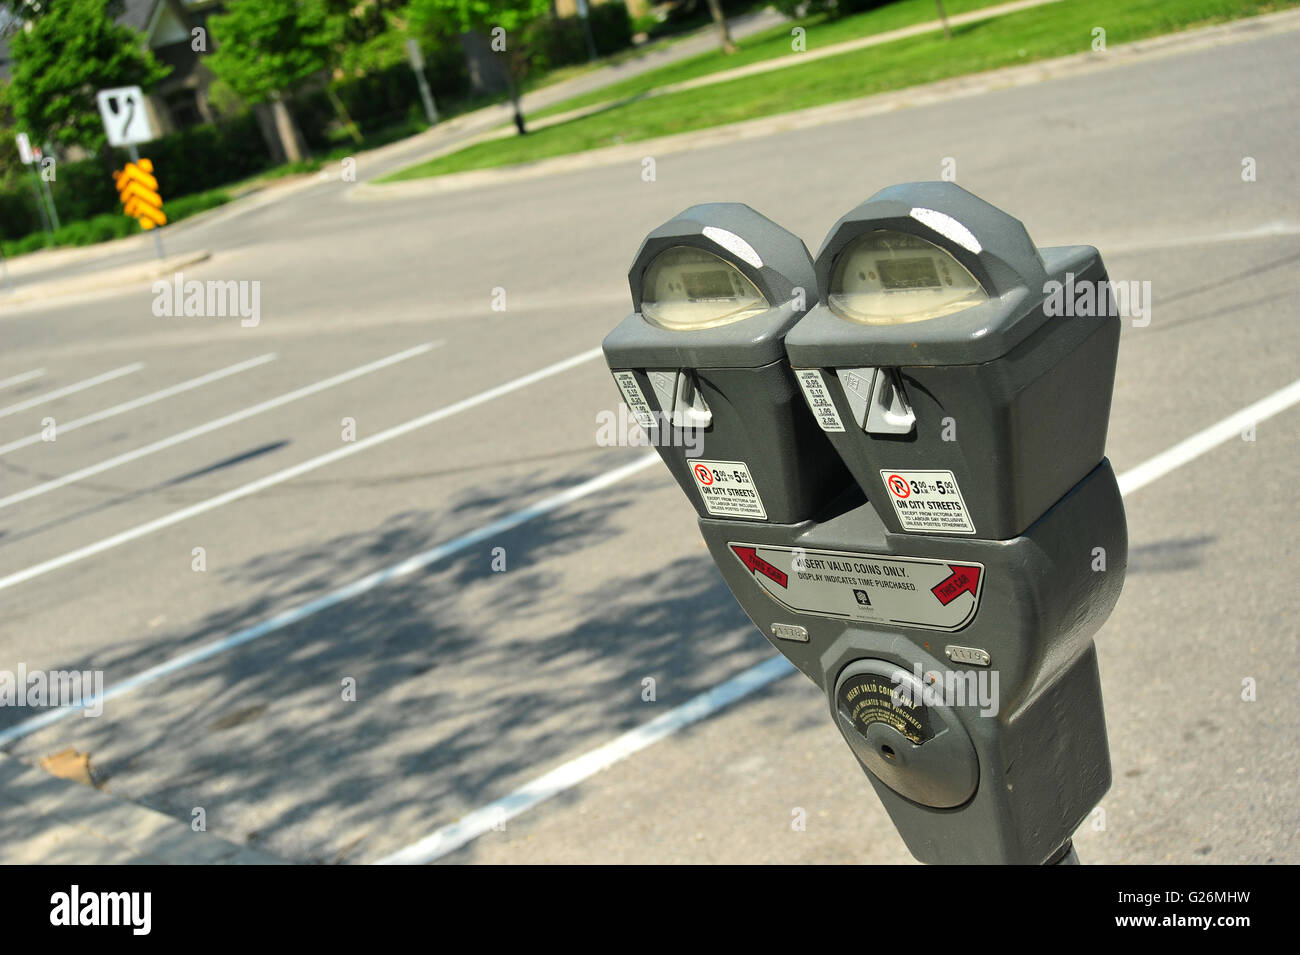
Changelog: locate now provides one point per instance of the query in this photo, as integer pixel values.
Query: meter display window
(688, 288)
(893, 278)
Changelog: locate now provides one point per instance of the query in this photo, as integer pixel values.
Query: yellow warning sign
(138, 189)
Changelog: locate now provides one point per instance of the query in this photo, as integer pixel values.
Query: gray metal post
(417, 65)
(4, 269)
(584, 14)
(49, 199)
(40, 202)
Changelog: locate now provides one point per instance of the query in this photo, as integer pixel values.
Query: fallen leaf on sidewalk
(70, 764)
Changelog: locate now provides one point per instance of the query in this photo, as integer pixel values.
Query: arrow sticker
(757, 565)
(964, 580)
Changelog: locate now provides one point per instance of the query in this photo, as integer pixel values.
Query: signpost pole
(49, 198)
(4, 269)
(28, 157)
(40, 202)
(417, 64)
(157, 239)
(584, 14)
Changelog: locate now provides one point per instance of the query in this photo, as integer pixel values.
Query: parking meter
(963, 406)
(939, 534)
(701, 365)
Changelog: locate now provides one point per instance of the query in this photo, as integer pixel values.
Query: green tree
(67, 52)
(367, 35)
(267, 49)
(501, 21)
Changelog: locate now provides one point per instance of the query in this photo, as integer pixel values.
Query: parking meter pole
(1067, 856)
(157, 238)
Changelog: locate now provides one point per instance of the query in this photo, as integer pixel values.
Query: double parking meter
(900, 474)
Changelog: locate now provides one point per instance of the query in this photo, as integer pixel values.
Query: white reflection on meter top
(893, 278)
(688, 288)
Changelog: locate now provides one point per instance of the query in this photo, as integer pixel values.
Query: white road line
(471, 826)
(335, 597)
(1230, 427)
(305, 467)
(141, 401)
(1270, 230)
(19, 379)
(170, 442)
(71, 389)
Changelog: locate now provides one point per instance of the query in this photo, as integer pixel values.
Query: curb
(120, 277)
(1076, 64)
(47, 820)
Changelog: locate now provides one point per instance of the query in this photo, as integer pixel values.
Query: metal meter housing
(1009, 400)
(730, 382)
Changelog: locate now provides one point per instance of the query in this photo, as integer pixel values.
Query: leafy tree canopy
(459, 16)
(266, 47)
(66, 51)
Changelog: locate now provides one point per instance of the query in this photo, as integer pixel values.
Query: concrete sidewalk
(47, 820)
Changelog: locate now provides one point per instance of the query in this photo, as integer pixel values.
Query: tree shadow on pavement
(467, 682)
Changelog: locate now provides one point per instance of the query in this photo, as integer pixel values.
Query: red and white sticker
(928, 502)
(903, 591)
(727, 489)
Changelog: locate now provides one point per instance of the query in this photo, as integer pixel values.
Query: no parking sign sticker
(928, 501)
(727, 489)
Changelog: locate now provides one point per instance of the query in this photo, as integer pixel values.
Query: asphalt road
(471, 680)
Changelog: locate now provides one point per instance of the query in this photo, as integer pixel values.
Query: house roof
(139, 15)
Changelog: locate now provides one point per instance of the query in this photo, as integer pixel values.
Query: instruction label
(634, 398)
(866, 698)
(727, 489)
(819, 399)
(928, 501)
(908, 591)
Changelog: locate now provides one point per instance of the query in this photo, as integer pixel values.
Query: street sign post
(905, 489)
(127, 123)
(44, 200)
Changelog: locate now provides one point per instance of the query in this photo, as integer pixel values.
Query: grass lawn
(1043, 32)
(113, 225)
(771, 44)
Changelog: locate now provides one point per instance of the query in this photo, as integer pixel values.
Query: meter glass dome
(689, 288)
(893, 278)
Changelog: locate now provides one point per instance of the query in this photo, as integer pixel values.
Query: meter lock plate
(919, 750)
(680, 398)
(877, 400)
